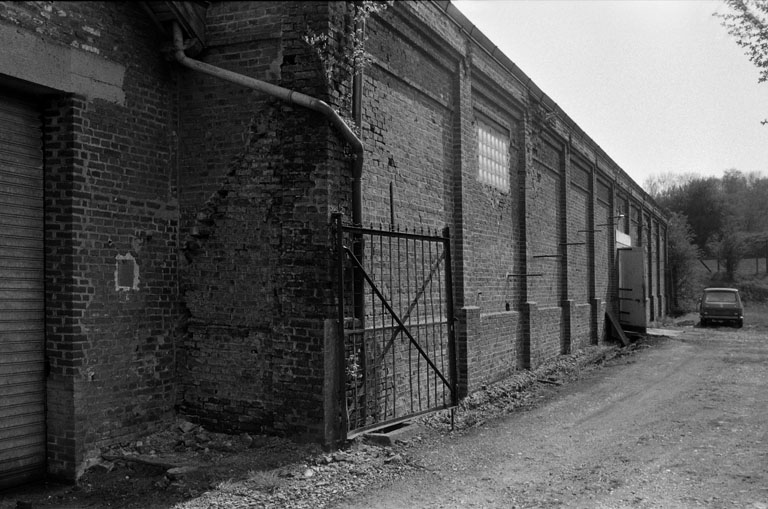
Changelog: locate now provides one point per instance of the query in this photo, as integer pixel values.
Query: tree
(755, 204)
(683, 255)
(727, 217)
(734, 182)
(663, 184)
(730, 250)
(702, 202)
(748, 23)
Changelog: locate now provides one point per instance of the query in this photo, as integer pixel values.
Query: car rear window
(720, 297)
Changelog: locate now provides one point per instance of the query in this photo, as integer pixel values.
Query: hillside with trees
(724, 219)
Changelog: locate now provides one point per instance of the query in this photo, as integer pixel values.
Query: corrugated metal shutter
(22, 333)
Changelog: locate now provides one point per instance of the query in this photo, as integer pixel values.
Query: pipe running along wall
(289, 96)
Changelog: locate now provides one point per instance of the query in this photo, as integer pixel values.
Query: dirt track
(677, 422)
(681, 424)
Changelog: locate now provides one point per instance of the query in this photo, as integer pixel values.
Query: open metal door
(632, 289)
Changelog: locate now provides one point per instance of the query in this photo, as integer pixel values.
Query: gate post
(566, 327)
(596, 324)
(452, 357)
(468, 332)
(526, 342)
(334, 430)
(334, 389)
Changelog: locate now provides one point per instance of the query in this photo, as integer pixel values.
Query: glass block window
(493, 155)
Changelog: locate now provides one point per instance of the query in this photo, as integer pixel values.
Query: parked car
(721, 305)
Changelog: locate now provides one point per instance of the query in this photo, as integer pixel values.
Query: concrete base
(403, 432)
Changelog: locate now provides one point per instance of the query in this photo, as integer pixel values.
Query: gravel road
(680, 424)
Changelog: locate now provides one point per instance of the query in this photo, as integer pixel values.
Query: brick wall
(412, 109)
(648, 252)
(546, 333)
(492, 215)
(109, 192)
(260, 181)
(662, 270)
(604, 247)
(497, 233)
(635, 230)
(65, 338)
(581, 326)
(579, 250)
(494, 348)
(578, 262)
(545, 223)
(408, 128)
(219, 118)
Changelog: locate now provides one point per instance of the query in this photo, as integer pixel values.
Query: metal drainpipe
(289, 96)
(316, 105)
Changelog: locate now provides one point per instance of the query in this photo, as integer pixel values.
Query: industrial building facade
(171, 232)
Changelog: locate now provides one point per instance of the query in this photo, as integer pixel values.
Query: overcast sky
(659, 85)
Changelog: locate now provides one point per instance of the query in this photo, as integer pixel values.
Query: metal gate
(396, 306)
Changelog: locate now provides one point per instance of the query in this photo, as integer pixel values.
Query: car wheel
(704, 322)
(739, 324)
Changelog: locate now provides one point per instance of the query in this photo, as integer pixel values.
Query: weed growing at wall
(342, 54)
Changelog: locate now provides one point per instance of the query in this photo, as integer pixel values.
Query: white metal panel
(632, 289)
(623, 240)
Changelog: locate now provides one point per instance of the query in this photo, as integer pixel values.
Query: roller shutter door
(22, 342)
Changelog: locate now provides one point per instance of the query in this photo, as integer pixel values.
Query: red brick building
(168, 233)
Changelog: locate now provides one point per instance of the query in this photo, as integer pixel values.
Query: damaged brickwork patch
(126, 272)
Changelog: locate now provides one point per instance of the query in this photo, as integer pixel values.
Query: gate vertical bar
(408, 301)
(392, 324)
(340, 364)
(435, 334)
(449, 311)
(358, 247)
(426, 326)
(358, 305)
(443, 345)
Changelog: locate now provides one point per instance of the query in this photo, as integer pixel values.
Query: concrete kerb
(387, 437)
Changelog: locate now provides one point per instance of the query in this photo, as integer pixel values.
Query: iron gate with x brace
(396, 306)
